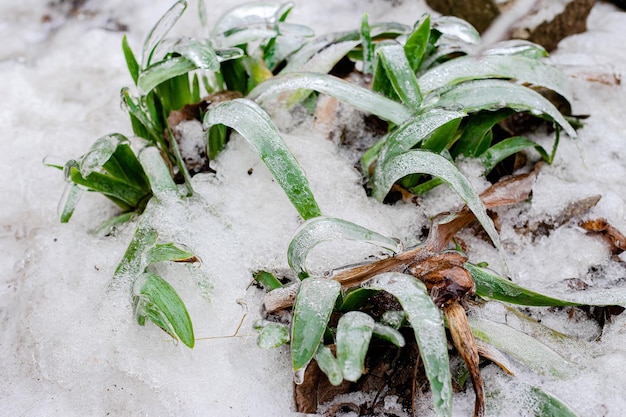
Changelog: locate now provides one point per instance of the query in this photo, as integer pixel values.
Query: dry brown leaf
(617, 238)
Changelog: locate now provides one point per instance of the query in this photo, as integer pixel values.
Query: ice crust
(70, 345)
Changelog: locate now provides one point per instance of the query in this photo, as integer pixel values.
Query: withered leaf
(616, 238)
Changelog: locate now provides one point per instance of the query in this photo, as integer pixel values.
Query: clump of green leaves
(439, 96)
(111, 168)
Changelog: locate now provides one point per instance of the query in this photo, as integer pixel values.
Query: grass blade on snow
(158, 301)
(521, 346)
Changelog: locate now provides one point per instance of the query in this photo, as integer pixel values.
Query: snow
(71, 346)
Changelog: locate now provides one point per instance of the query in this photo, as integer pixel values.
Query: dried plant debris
(600, 226)
(572, 211)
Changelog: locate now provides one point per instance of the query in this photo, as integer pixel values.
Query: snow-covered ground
(69, 343)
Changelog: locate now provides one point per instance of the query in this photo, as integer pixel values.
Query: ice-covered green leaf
(163, 71)
(472, 96)
(322, 229)
(354, 331)
(69, 201)
(314, 303)
(253, 123)
(359, 97)
(199, 53)
(455, 28)
(160, 30)
(414, 131)
(426, 162)
(329, 364)
(399, 72)
(516, 47)
(164, 252)
(133, 262)
(521, 69)
(389, 334)
(272, 334)
(427, 323)
(158, 173)
(159, 302)
(245, 15)
(545, 404)
(521, 346)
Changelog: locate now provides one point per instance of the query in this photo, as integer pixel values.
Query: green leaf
(426, 162)
(160, 30)
(131, 61)
(132, 263)
(476, 136)
(127, 196)
(523, 70)
(158, 173)
(546, 404)
(472, 96)
(247, 118)
(158, 301)
(71, 196)
(216, 140)
(359, 97)
(516, 47)
(416, 44)
(272, 334)
(329, 364)
(322, 229)
(443, 138)
(454, 28)
(245, 15)
(354, 331)
(506, 148)
(355, 298)
(201, 54)
(400, 74)
(389, 334)
(314, 303)
(427, 323)
(139, 115)
(493, 286)
(163, 71)
(267, 280)
(368, 48)
(521, 346)
(165, 252)
(414, 131)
